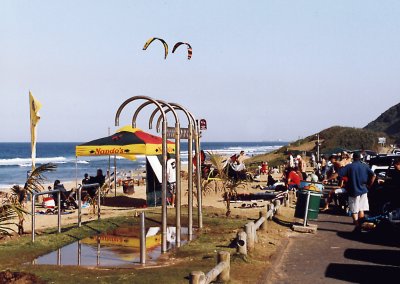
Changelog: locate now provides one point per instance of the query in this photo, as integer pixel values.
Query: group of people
(295, 172)
(354, 178)
(68, 197)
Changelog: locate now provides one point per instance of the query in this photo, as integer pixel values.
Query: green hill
(388, 122)
(332, 140)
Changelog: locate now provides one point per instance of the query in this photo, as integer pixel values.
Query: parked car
(384, 201)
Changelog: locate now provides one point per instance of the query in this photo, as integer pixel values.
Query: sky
(260, 70)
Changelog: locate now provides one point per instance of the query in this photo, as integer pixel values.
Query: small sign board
(382, 140)
(184, 133)
(203, 124)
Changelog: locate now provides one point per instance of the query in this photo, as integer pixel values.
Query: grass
(218, 233)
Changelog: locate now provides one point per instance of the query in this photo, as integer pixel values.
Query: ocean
(15, 160)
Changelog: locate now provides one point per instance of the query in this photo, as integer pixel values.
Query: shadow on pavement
(335, 222)
(380, 236)
(362, 273)
(333, 211)
(381, 256)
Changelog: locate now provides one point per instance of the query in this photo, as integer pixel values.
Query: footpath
(337, 255)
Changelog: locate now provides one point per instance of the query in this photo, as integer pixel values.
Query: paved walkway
(336, 255)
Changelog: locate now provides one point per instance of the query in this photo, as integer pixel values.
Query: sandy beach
(131, 204)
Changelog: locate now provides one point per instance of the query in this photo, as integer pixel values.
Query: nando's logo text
(114, 151)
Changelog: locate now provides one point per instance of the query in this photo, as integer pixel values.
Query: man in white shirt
(171, 177)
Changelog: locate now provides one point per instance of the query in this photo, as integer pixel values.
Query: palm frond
(7, 213)
(218, 162)
(36, 178)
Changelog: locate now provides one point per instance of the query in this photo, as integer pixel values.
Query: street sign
(203, 124)
(184, 133)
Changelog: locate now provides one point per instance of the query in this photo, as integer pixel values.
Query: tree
(14, 206)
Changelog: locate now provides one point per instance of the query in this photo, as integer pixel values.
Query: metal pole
(79, 252)
(98, 250)
(59, 210)
(80, 206)
(109, 165)
(76, 171)
(98, 203)
(198, 171)
(190, 182)
(142, 238)
(178, 184)
(306, 211)
(59, 256)
(33, 217)
(115, 175)
(164, 188)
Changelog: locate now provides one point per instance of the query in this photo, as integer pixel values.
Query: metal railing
(79, 196)
(34, 209)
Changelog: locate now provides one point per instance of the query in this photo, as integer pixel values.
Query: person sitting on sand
(85, 178)
(66, 196)
(100, 179)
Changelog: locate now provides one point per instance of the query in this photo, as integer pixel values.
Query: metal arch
(178, 167)
(142, 106)
(150, 100)
(190, 164)
(164, 161)
(198, 170)
(190, 168)
(170, 108)
(188, 113)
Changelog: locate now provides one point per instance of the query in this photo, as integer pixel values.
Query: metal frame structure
(198, 162)
(164, 159)
(178, 166)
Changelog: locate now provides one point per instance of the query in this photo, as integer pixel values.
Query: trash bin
(313, 204)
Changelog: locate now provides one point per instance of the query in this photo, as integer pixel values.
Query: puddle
(120, 247)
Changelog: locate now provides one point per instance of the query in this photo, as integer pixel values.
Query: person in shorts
(359, 179)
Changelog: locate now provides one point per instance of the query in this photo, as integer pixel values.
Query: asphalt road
(336, 255)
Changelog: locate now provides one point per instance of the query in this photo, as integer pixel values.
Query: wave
(23, 162)
(249, 150)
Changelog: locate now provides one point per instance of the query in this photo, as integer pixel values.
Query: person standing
(290, 160)
(171, 177)
(313, 164)
(359, 179)
(302, 167)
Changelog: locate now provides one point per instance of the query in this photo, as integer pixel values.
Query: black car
(381, 194)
